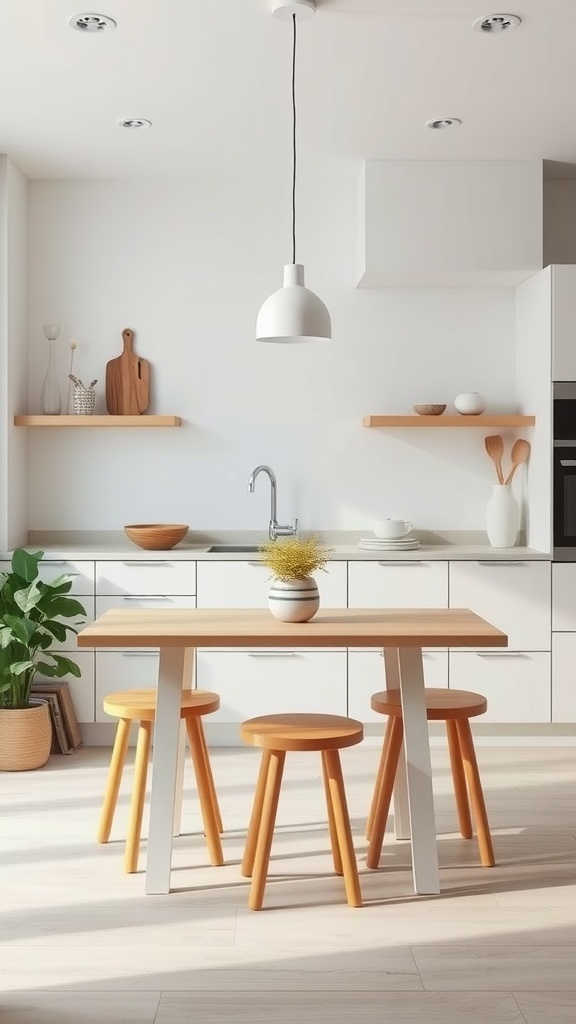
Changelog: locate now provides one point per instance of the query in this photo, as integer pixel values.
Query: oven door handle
(568, 462)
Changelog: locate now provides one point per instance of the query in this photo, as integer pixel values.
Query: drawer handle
(149, 563)
(260, 564)
(147, 597)
(272, 654)
(501, 562)
(55, 561)
(140, 654)
(413, 561)
(498, 654)
(425, 654)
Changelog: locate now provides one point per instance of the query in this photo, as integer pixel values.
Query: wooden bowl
(428, 410)
(156, 536)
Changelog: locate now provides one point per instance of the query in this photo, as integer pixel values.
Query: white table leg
(179, 789)
(164, 769)
(401, 815)
(419, 771)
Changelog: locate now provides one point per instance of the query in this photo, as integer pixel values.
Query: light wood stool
(140, 705)
(455, 707)
(277, 734)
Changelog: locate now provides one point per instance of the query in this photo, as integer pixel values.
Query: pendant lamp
(293, 313)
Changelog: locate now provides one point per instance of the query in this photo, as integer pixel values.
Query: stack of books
(66, 735)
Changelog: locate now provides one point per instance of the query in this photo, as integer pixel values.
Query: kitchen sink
(231, 549)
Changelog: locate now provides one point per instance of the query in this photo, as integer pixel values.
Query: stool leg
(264, 845)
(138, 796)
(379, 777)
(384, 796)
(459, 779)
(476, 794)
(343, 831)
(210, 777)
(336, 856)
(204, 793)
(114, 776)
(255, 817)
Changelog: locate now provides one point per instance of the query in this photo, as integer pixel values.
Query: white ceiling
(214, 78)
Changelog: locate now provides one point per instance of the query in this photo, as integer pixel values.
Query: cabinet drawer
(366, 676)
(270, 682)
(83, 582)
(564, 677)
(82, 690)
(390, 584)
(246, 585)
(516, 684)
(145, 576)
(123, 670)
(564, 597)
(513, 596)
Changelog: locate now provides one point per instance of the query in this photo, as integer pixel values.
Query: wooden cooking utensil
(519, 454)
(494, 445)
(127, 381)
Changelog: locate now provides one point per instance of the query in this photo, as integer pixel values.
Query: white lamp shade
(293, 313)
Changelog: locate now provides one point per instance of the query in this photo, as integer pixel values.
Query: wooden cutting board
(127, 381)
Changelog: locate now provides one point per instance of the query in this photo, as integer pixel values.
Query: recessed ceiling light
(135, 122)
(496, 23)
(444, 122)
(92, 22)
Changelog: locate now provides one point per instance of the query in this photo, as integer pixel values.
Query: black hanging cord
(294, 142)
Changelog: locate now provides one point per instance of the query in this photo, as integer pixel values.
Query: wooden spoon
(519, 454)
(494, 445)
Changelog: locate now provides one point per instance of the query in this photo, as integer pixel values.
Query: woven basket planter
(25, 737)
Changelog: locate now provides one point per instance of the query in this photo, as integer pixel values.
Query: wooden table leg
(418, 771)
(401, 814)
(164, 769)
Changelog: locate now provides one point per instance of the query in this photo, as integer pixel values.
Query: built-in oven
(564, 472)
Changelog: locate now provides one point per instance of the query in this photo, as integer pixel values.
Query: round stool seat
(302, 732)
(441, 704)
(140, 705)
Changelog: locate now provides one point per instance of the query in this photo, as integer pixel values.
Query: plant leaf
(25, 564)
(67, 607)
(57, 629)
(45, 669)
(28, 598)
(22, 628)
(6, 636)
(65, 666)
(18, 667)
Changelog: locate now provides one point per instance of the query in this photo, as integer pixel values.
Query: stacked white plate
(377, 544)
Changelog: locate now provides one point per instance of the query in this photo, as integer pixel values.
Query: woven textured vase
(25, 737)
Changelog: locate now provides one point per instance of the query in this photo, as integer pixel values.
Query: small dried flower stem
(72, 348)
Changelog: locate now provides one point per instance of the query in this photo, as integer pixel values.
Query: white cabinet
(123, 670)
(49, 570)
(366, 676)
(449, 223)
(516, 684)
(564, 677)
(396, 584)
(564, 322)
(564, 597)
(145, 576)
(513, 596)
(246, 585)
(265, 682)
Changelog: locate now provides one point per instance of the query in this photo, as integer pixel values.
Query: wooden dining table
(400, 633)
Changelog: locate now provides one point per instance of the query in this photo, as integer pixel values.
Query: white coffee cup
(392, 529)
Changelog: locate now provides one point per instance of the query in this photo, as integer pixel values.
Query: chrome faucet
(274, 530)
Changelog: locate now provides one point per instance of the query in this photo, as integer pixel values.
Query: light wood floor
(81, 944)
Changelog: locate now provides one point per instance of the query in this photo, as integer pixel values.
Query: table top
(350, 627)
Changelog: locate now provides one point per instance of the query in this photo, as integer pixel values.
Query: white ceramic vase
(294, 600)
(471, 404)
(502, 517)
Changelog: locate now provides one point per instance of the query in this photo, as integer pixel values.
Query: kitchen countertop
(111, 545)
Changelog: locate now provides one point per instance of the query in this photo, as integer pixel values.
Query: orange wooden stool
(140, 705)
(277, 734)
(455, 707)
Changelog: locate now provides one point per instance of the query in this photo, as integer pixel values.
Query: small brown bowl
(156, 536)
(428, 410)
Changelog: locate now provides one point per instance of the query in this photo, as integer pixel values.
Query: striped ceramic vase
(294, 600)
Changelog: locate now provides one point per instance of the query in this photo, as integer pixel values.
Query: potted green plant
(32, 615)
(293, 595)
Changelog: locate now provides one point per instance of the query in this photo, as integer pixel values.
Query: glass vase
(51, 399)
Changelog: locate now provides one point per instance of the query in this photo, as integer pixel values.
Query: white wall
(13, 351)
(187, 264)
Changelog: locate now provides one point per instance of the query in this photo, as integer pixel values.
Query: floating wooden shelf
(449, 421)
(97, 421)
